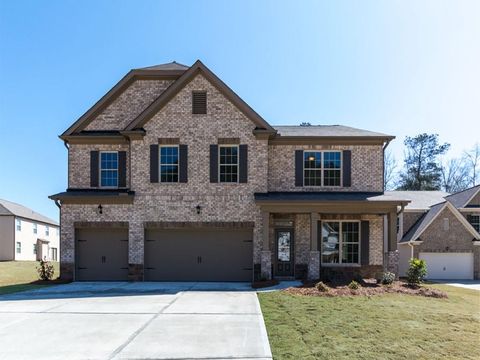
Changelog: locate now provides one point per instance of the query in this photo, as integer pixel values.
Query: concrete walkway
(134, 321)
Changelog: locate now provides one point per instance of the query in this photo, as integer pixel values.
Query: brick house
(173, 177)
(443, 230)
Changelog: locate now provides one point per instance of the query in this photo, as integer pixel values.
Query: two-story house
(172, 176)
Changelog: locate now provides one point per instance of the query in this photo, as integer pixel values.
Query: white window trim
(160, 164)
(18, 247)
(100, 170)
(18, 224)
(47, 230)
(237, 164)
(322, 169)
(35, 228)
(340, 243)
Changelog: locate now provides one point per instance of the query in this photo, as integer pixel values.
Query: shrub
(388, 278)
(45, 270)
(416, 272)
(354, 285)
(322, 287)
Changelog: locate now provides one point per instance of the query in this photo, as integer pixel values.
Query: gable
(475, 202)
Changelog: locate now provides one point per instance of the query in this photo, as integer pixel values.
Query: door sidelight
(199, 259)
(104, 259)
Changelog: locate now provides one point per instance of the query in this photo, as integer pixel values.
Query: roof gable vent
(199, 102)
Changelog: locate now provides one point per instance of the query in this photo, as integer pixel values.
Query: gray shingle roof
(325, 196)
(168, 66)
(461, 198)
(420, 200)
(11, 208)
(326, 130)
(422, 223)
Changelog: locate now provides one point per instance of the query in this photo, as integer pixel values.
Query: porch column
(266, 254)
(314, 255)
(392, 255)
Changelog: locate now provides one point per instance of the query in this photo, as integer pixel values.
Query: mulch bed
(368, 288)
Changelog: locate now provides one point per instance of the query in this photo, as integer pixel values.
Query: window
(35, 228)
(34, 248)
(19, 247)
(199, 102)
(340, 242)
(446, 224)
(168, 164)
(109, 169)
(54, 253)
(475, 221)
(19, 224)
(322, 168)
(47, 230)
(228, 164)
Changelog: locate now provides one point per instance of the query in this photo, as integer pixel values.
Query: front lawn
(20, 275)
(390, 326)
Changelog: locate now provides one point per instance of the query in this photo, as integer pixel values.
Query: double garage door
(170, 255)
(448, 266)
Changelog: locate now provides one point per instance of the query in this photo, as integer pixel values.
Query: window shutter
(154, 163)
(199, 102)
(94, 167)
(183, 164)
(213, 163)
(243, 163)
(364, 242)
(298, 167)
(122, 169)
(347, 168)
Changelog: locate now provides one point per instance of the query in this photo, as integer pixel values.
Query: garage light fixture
(199, 209)
(100, 209)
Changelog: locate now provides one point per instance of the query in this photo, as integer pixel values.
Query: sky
(398, 67)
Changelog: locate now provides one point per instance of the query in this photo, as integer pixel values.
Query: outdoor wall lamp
(199, 209)
(100, 209)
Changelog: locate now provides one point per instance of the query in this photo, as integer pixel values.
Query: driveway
(466, 284)
(134, 321)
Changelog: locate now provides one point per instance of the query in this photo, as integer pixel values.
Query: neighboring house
(173, 177)
(26, 234)
(442, 229)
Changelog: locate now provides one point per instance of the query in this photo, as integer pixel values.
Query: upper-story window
(19, 224)
(47, 230)
(475, 221)
(35, 228)
(169, 164)
(199, 102)
(322, 168)
(109, 169)
(228, 163)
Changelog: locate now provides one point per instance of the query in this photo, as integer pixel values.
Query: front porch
(327, 237)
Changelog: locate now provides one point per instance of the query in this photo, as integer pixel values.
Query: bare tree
(454, 175)
(472, 162)
(390, 172)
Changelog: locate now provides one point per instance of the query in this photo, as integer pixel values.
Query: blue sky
(400, 67)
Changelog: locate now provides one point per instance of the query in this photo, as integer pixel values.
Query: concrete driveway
(466, 284)
(134, 321)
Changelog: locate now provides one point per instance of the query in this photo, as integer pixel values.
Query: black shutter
(243, 163)
(183, 164)
(347, 168)
(122, 169)
(94, 165)
(154, 163)
(213, 163)
(298, 167)
(199, 102)
(364, 242)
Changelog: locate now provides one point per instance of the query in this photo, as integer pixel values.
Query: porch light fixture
(199, 209)
(100, 209)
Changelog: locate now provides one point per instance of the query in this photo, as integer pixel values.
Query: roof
(419, 200)
(167, 66)
(11, 208)
(90, 196)
(326, 196)
(462, 198)
(326, 131)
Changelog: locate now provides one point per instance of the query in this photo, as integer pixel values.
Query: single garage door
(457, 266)
(101, 254)
(198, 255)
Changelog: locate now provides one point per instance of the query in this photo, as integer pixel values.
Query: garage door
(101, 254)
(449, 265)
(198, 255)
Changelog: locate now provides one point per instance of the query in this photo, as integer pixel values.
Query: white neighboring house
(26, 234)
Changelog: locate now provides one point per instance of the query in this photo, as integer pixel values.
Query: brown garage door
(198, 255)
(101, 254)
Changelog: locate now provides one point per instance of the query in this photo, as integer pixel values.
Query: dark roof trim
(117, 90)
(330, 140)
(94, 196)
(104, 137)
(173, 89)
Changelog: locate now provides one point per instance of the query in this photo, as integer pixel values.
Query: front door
(284, 252)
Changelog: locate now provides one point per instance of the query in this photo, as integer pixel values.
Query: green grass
(379, 327)
(20, 276)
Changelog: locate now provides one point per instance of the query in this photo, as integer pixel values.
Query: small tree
(45, 270)
(416, 272)
(390, 171)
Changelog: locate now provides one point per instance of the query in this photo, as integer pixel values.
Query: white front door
(446, 266)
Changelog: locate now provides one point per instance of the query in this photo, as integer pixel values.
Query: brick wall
(410, 218)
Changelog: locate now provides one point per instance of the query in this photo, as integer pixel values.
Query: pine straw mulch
(369, 287)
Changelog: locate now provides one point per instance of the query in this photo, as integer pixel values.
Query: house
(26, 234)
(443, 230)
(172, 176)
